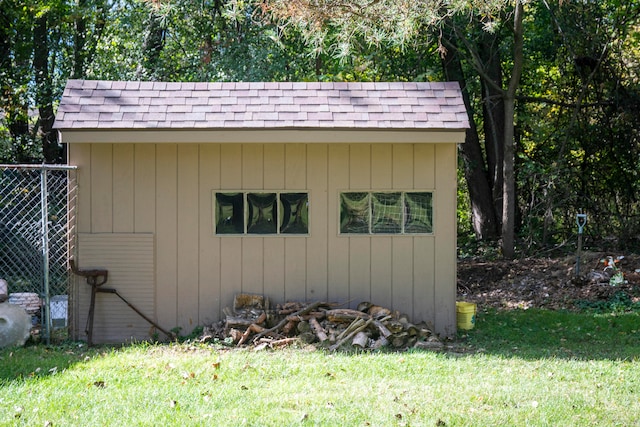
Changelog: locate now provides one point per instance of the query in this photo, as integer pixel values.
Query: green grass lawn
(515, 368)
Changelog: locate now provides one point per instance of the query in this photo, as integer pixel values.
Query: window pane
(263, 213)
(354, 213)
(295, 213)
(419, 213)
(229, 213)
(386, 213)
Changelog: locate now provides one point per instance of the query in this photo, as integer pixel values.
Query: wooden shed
(189, 193)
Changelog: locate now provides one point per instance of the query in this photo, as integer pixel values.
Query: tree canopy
(552, 87)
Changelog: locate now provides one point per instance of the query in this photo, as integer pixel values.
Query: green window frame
(386, 212)
(261, 212)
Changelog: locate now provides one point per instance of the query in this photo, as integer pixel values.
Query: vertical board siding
(231, 247)
(167, 190)
(359, 246)
(445, 256)
(80, 156)
(252, 248)
(402, 247)
(424, 175)
(188, 237)
(274, 272)
(123, 188)
(381, 260)
(317, 243)
(144, 201)
(166, 193)
(209, 246)
(102, 188)
(338, 248)
(295, 251)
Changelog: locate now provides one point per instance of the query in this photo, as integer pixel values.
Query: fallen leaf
(216, 365)
(173, 403)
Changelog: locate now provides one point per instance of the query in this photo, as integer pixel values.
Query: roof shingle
(88, 104)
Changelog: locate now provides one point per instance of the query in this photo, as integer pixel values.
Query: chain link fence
(37, 229)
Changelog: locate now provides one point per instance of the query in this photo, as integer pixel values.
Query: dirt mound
(543, 282)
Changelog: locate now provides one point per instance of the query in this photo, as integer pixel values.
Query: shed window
(261, 213)
(389, 212)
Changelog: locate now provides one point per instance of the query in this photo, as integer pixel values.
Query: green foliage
(577, 122)
(619, 303)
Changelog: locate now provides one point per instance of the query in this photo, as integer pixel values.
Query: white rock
(15, 325)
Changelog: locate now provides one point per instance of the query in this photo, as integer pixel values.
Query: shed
(189, 193)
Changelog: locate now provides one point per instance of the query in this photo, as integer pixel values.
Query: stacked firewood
(253, 320)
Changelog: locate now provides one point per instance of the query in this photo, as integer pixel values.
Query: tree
(38, 47)
(398, 22)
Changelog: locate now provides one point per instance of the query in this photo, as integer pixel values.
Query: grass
(515, 368)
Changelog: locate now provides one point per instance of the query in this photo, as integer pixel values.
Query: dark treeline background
(552, 88)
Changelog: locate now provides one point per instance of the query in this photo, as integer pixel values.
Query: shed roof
(91, 104)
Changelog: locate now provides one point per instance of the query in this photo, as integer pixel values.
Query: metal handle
(581, 220)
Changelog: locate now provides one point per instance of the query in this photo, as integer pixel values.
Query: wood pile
(253, 320)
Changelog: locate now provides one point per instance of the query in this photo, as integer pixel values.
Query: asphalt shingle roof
(91, 104)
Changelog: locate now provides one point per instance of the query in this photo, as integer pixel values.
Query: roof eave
(262, 135)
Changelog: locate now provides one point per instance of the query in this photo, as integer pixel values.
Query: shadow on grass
(38, 361)
(536, 334)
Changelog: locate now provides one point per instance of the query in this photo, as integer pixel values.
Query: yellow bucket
(465, 314)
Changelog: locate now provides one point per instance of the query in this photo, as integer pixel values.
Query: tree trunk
(509, 193)
(483, 213)
(493, 114)
(44, 90)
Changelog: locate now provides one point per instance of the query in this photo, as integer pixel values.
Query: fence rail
(37, 229)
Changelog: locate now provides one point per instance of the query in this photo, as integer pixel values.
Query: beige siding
(209, 308)
(144, 202)
(129, 260)
(316, 243)
(188, 288)
(338, 247)
(445, 222)
(123, 188)
(167, 190)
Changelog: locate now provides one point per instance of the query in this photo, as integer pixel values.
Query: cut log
(307, 337)
(394, 326)
(242, 322)
(318, 329)
(386, 333)
(248, 302)
(362, 325)
(357, 323)
(399, 340)
(345, 315)
(377, 312)
(289, 326)
(361, 339)
(303, 326)
(379, 343)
